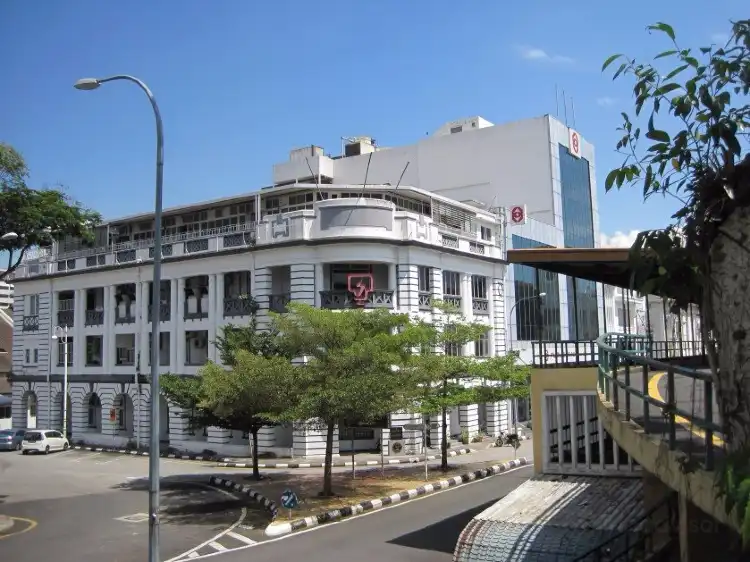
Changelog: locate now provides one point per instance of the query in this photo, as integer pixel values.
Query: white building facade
(288, 243)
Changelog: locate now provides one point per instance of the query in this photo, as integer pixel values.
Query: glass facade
(578, 232)
(536, 319)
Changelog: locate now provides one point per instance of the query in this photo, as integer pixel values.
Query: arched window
(94, 412)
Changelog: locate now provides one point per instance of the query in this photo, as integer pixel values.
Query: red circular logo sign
(575, 148)
(517, 214)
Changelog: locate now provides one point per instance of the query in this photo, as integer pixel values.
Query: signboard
(112, 415)
(379, 423)
(574, 143)
(518, 214)
(397, 433)
(289, 499)
(360, 285)
(413, 427)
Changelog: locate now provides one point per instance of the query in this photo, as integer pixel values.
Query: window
(61, 343)
(94, 412)
(36, 356)
(452, 348)
(425, 279)
(479, 287)
(485, 233)
(452, 283)
(28, 356)
(32, 305)
(482, 345)
(94, 345)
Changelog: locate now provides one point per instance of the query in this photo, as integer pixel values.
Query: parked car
(43, 441)
(10, 439)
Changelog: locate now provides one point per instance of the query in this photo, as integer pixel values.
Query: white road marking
(193, 555)
(365, 514)
(241, 538)
(218, 546)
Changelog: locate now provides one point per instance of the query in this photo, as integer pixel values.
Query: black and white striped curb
(179, 456)
(269, 505)
(320, 464)
(278, 529)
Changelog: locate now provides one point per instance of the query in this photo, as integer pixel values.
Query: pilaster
(78, 349)
(174, 291)
(262, 292)
(110, 353)
(408, 288)
(179, 327)
(468, 419)
(302, 278)
(497, 303)
(213, 318)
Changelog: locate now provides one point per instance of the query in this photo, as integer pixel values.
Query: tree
(350, 373)
(696, 117)
(244, 392)
(37, 216)
(447, 378)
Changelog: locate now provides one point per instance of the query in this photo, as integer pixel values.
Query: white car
(43, 441)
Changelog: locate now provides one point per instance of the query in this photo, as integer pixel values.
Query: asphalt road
(73, 506)
(422, 530)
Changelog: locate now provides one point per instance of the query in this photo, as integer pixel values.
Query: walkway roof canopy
(603, 265)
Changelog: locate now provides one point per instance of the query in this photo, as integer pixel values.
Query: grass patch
(368, 484)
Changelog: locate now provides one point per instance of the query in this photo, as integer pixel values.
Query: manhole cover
(135, 518)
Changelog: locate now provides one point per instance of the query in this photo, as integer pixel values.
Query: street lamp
(510, 315)
(61, 333)
(9, 237)
(153, 458)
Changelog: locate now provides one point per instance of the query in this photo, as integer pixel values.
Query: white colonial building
(295, 242)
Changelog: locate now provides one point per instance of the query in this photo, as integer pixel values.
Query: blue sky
(241, 82)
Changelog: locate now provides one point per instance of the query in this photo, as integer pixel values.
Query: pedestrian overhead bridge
(626, 437)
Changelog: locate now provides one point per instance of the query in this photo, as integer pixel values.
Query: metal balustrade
(627, 372)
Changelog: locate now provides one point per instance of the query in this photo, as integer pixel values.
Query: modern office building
(302, 243)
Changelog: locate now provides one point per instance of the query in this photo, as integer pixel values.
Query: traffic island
(366, 490)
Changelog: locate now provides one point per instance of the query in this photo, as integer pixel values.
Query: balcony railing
(425, 300)
(197, 314)
(165, 312)
(30, 323)
(126, 316)
(239, 306)
(277, 302)
(94, 318)
(378, 298)
(452, 300)
(65, 318)
(480, 306)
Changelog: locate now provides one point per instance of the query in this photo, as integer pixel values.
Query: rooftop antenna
(401, 176)
(565, 108)
(367, 171)
(557, 102)
(573, 110)
(317, 181)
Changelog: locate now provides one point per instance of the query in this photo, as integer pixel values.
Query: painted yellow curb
(30, 524)
(653, 391)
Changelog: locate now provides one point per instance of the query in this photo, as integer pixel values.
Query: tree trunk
(730, 318)
(327, 472)
(254, 433)
(444, 442)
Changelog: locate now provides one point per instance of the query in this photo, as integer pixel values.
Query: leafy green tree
(443, 378)
(350, 373)
(687, 139)
(37, 216)
(240, 395)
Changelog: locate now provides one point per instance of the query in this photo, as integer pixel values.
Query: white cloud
(606, 101)
(540, 55)
(619, 239)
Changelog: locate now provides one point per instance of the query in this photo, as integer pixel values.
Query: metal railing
(625, 371)
(639, 541)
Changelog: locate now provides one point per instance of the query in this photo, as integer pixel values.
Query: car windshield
(32, 436)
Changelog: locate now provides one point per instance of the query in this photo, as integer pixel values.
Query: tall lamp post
(61, 333)
(153, 458)
(510, 315)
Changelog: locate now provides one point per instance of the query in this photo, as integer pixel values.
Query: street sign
(518, 214)
(413, 426)
(574, 143)
(289, 499)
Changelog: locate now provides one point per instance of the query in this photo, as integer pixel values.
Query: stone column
(408, 288)
(179, 327)
(498, 317)
(110, 354)
(262, 293)
(213, 318)
(413, 440)
(468, 419)
(394, 285)
(310, 441)
(78, 349)
(143, 349)
(497, 418)
(302, 277)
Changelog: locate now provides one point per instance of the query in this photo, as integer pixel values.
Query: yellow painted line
(30, 522)
(653, 391)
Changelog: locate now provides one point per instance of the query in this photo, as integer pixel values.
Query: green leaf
(666, 54)
(610, 180)
(609, 61)
(657, 135)
(664, 28)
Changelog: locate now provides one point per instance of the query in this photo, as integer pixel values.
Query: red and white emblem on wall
(574, 143)
(518, 214)
(360, 285)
